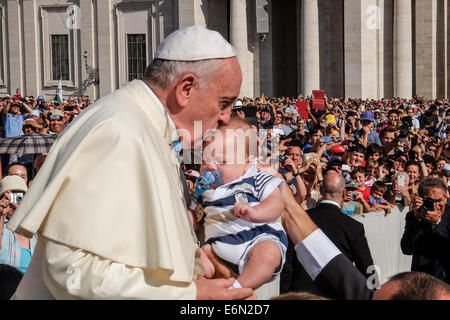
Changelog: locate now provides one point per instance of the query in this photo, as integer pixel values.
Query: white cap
(194, 43)
(35, 113)
(12, 183)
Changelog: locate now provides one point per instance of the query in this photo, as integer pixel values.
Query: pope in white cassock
(108, 203)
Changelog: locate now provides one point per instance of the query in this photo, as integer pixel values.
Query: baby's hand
(244, 211)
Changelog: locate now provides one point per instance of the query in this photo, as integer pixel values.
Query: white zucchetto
(194, 43)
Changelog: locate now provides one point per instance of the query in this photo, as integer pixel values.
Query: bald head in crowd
(333, 186)
(413, 286)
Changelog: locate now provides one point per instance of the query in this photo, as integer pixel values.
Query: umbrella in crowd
(27, 144)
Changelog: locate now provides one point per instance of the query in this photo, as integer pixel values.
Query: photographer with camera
(15, 249)
(13, 118)
(367, 132)
(291, 169)
(427, 230)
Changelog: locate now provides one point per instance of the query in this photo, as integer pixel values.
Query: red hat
(338, 149)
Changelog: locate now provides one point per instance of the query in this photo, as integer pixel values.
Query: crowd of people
(390, 152)
(25, 116)
(384, 148)
(284, 210)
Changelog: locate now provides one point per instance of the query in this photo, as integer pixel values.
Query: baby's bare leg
(264, 260)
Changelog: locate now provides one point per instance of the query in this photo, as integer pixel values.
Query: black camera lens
(428, 204)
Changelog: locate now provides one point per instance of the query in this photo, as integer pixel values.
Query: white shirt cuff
(315, 252)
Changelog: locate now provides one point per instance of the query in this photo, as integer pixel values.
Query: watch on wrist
(296, 174)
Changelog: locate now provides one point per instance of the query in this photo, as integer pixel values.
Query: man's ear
(183, 89)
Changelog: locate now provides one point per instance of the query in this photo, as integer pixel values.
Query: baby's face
(225, 152)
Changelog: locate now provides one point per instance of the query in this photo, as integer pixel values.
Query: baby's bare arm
(268, 210)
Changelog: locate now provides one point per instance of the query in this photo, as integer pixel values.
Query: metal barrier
(383, 234)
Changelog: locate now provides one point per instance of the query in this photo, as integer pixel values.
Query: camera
(405, 128)
(16, 197)
(428, 204)
(388, 164)
(352, 194)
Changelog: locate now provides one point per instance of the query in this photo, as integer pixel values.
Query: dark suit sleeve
(287, 274)
(411, 235)
(443, 228)
(361, 251)
(341, 280)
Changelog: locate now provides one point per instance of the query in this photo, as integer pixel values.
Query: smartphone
(68, 108)
(401, 181)
(326, 139)
(336, 138)
(345, 167)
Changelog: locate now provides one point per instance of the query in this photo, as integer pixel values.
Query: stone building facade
(350, 48)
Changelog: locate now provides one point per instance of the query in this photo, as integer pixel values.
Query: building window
(60, 56)
(137, 56)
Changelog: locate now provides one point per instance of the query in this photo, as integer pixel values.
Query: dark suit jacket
(429, 246)
(341, 280)
(345, 232)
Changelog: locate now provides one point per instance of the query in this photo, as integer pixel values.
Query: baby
(243, 208)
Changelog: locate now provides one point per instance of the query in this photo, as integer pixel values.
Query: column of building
(310, 44)
(429, 49)
(240, 40)
(192, 12)
(16, 65)
(403, 49)
(88, 41)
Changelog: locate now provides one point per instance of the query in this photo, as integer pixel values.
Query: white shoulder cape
(110, 186)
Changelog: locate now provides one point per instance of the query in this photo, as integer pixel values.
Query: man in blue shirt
(12, 119)
(367, 121)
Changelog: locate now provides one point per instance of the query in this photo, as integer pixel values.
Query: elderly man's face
(439, 195)
(295, 153)
(211, 105)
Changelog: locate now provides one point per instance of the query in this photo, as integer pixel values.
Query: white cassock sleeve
(72, 273)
